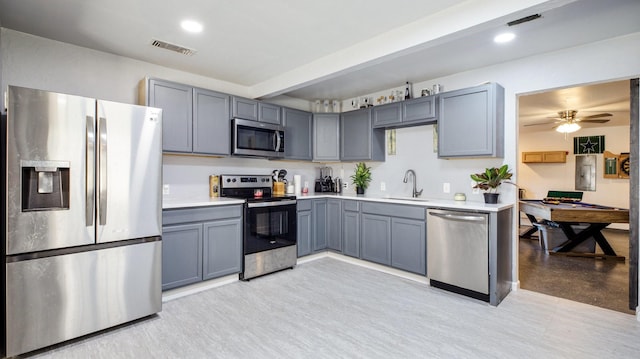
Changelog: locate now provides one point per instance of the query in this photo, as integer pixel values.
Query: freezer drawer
(458, 251)
(53, 299)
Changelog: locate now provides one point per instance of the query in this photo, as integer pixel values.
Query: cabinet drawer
(186, 215)
(394, 210)
(353, 206)
(304, 205)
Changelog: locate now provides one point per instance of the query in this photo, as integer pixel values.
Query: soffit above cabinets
(323, 49)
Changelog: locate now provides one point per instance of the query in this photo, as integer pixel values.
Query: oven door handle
(271, 204)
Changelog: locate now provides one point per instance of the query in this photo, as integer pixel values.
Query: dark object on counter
(490, 197)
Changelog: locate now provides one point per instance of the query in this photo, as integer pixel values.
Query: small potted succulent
(361, 177)
(489, 181)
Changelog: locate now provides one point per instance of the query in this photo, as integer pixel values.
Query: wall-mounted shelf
(545, 157)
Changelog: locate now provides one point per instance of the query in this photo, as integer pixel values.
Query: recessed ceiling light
(191, 26)
(504, 37)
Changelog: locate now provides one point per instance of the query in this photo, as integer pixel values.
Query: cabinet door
(298, 134)
(304, 233)
(334, 224)
(222, 248)
(319, 216)
(358, 140)
(419, 111)
(351, 234)
(244, 108)
(408, 245)
(211, 123)
(181, 255)
(326, 134)
(175, 100)
(269, 113)
(471, 121)
(387, 115)
(376, 238)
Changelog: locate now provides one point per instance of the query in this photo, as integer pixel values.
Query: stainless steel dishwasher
(458, 252)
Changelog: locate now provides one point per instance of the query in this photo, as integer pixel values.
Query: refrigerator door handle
(90, 176)
(102, 166)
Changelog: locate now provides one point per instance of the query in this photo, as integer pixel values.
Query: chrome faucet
(415, 193)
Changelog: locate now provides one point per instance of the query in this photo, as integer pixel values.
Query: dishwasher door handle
(457, 217)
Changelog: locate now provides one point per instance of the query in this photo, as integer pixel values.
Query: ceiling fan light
(568, 127)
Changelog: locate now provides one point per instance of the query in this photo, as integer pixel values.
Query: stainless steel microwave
(259, 139)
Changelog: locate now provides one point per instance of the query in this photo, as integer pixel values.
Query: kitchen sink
(417, 199)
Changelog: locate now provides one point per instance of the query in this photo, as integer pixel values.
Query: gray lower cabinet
(471, 122)
(305, 228)
(298, 134)
(408, 245)
(351, 233)
(181, 255)
(319, 220)
(359, 141)
(200, 243)
(334, 224)
(376, 238)
(221, 248)
(326, 137)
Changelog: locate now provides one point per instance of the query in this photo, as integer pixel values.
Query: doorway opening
(604, 120)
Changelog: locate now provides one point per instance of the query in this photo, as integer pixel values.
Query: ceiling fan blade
(597, 115)
(594, 121)
(539, 123)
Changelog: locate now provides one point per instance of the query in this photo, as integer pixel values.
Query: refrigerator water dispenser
(45, 185)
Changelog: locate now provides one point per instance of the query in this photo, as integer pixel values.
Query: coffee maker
(325, 183)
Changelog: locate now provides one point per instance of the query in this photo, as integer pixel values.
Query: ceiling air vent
(524, 19)
(172, 47)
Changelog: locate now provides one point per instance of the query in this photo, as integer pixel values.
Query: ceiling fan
(567, 121)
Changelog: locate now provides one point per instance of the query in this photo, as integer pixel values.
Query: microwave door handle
(102, 165)
(277, 134)
(90, 175)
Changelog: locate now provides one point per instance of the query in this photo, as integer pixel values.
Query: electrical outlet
(345, 185)
(446, 187)
(383, 186)
(166, 189)
(474, 190)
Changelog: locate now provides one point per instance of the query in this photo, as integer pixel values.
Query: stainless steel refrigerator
(82, 220)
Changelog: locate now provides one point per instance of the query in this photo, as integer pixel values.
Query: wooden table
(567, 214)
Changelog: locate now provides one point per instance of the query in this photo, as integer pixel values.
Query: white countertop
(197, 201)
(424, 202)
(200, 201)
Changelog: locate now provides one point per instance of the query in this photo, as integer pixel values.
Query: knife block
(278, 187)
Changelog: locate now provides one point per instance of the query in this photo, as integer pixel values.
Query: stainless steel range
(270, 226)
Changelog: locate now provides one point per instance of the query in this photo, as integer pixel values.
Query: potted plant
(361, 177)
(489, 181)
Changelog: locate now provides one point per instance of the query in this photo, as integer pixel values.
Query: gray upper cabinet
(175, 100)
(244, 108)
(359, 141)
(471, 122)
(420, 111)
(269, 113)
(211, 123)
(326, 137)
(415, 112)
(193, 120)
(298, 135)
(388, 115)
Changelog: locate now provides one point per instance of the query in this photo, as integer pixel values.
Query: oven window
(269, 228)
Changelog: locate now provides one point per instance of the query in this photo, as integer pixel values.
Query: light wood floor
(331, 309)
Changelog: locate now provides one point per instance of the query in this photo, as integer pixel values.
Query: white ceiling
(323, 49)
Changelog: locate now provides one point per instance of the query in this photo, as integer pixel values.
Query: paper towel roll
(297, 183)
